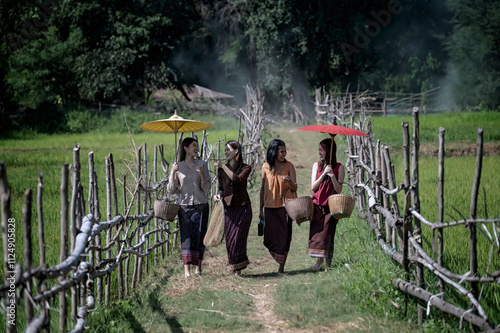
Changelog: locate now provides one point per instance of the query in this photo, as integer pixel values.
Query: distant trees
(474, 49)
(63, 51)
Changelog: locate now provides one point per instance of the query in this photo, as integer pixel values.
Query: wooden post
(155, 179)
(98, 254)
(378, 192)
(74, 201)
(41, 232)
(63, 306)
(109, 208)
(28, 251)
(416, 200)
(127, 261)
(41, 245)
(74, 214)
(473, 210)
(137, 261)
(385, 197)
(145, 207)
(116, 213)
(407, 216)
(440, 219)
(392, 184)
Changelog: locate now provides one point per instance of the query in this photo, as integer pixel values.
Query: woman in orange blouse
(278, 174)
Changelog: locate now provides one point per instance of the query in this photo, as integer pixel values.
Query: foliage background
(60, 55)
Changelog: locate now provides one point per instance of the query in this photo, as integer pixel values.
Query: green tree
(474, 72)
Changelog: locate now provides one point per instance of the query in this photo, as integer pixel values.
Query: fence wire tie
(429, 302)
(462, 318)
(465, 276)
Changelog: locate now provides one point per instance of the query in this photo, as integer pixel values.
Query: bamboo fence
(398, 229)
(96, 249)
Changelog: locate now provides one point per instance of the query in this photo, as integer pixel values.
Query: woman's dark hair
(327, 146)
(272, 152)
(185, 143)
(239, 157)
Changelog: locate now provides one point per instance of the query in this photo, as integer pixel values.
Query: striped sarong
(193, 222)
(322, 233)
(237, 226)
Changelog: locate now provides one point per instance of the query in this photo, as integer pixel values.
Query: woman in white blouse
(191, 180)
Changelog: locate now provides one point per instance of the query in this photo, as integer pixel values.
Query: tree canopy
(62, 51)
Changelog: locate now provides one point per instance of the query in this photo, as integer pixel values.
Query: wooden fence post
(127, 261)
(392, 184)
(41, 245)
(416, 201)
(63, 307)
(116, 213)
(473, 210)
(407, 217)
(385, 196)
(440, 249)
(137, 260)
(378, 192)
(147, 196)
(109, 208)
(28, 251)
(98, 254)
(75, 215)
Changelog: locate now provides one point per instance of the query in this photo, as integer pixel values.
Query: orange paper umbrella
(175, 124)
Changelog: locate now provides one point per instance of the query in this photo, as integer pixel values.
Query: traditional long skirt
(237, 226)
(322, 233)
(193, 222)
(277, 233)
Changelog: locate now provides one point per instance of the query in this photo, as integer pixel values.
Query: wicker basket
(166, 210)
(300, 209)
(341, 205)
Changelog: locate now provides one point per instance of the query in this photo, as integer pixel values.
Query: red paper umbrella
(333, 130)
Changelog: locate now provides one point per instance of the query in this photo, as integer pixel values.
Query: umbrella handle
(331, 149)
(175, 144)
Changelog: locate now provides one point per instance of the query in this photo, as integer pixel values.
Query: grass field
(355, 295)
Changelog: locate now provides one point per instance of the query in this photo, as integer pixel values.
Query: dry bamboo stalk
(28, 251)
(392, 185)
(155, 179)
(416, 198)
(441, 155)
(41, 232)
(41, 241)
(378, 171)
(109, 208)
(127, 261)
(63, 307)
(145, 203)
(137, 262)
(116, 213)
(407, 215)
(452, 283)
(385, 198)
(473, 209)
(97, 240)
(440, 303)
